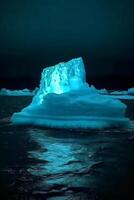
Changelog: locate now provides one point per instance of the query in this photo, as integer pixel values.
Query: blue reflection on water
(78, 160)
(65, 157)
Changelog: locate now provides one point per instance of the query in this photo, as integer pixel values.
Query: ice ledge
(74, 122)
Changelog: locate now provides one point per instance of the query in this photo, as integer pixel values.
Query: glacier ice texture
(65, 100)
(61, 78)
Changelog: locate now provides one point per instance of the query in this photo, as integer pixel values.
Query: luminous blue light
(61, 78)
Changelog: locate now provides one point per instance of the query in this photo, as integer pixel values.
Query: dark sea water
(56, 164)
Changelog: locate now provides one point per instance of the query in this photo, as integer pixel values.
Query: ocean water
(38, 163)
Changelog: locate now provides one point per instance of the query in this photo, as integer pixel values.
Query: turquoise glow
(61, 78)
(66, 155)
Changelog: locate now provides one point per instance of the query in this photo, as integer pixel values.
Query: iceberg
(123, 92)
(122, 97)
(65, 100)
(131, 91)
(24, 92)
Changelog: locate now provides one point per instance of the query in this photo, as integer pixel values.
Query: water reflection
(67, 164)
(66, 158)
(61, 157)
(76, 160)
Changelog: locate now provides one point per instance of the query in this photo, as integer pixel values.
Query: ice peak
(61, 78)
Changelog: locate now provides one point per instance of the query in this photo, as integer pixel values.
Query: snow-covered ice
(65, 100)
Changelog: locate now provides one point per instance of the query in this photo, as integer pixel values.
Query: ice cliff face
(61, 78)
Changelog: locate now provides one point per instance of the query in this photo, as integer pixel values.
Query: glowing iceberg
(61, 78)
(65, 100)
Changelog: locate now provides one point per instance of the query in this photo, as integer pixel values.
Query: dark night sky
(40, 33)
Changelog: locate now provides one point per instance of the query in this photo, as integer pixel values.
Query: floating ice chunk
(24, 92)
(121, 92)
(65, 100)
(125, 96)
(98, 91)
(131, 91)
(103, 91)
